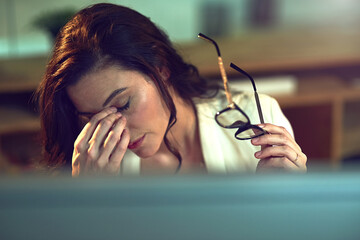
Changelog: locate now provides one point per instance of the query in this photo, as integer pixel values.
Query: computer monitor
(282, 206)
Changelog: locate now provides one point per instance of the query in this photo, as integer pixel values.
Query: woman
(116, 97)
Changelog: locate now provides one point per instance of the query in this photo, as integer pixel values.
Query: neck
(183, 136)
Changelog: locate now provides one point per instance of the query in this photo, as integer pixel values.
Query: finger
(280, 151)
(110, 142)
(276, 163)
(119, 151)
(282, 130)
(102, 130)
(276, 139)
(81, 142)
(76, 164)
(94, 160)
(299, 159)
(274, 129)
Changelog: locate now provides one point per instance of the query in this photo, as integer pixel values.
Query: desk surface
(319, 206)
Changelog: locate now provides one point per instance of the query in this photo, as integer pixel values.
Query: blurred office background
(304, 53)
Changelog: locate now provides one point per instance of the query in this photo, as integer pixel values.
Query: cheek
(149, 114)
(139, 117)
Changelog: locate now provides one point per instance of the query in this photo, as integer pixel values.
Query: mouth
(136, 143)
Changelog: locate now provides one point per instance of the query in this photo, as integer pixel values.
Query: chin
(144, 153)
(149, 148)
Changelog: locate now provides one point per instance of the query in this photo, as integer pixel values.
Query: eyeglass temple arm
(255, 91)
(221, 66)
(259, 107)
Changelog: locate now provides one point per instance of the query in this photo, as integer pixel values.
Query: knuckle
(106, 122)
(95, 119)
(121, 122)
(79, 145)
(305, 157)
(260, 139)
(100, 164)
(115, 162)
(283, 138)
(91, 144)
(283, 129)
(283, 160)
(113, 137)
(121, 148)
(92, 154)
(286, 149)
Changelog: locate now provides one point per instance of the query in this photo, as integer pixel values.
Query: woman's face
(134, 95)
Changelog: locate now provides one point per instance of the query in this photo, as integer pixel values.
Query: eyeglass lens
(232, 118)
(250, 132)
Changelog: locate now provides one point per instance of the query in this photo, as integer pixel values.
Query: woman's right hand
(101, 145)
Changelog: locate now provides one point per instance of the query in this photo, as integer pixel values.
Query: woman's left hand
(278, 150)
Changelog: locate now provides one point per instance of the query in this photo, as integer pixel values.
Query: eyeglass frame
(231, 104)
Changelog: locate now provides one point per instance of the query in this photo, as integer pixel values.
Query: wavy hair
(103, 35)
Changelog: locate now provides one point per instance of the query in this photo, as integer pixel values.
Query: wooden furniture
(274, 52)
(19, 77)
(325, 114)
(324, 111)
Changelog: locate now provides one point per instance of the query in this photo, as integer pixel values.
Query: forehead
(91, 91)
(104, 77)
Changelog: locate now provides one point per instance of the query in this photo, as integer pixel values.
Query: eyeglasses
(232, 116)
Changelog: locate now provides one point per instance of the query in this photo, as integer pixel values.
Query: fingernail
(257, 154)
(261, 125)
(255, 140)
(118, 114)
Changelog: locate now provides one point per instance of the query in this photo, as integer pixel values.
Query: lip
(136, 143)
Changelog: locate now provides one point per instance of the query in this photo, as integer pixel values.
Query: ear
(164, 73)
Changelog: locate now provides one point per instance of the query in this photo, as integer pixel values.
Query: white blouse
(222, 152)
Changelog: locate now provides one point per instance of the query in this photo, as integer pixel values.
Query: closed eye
(125, 107)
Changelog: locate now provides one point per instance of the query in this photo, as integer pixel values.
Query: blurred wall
(182, 20)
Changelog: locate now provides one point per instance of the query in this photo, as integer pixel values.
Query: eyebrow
(111, 96)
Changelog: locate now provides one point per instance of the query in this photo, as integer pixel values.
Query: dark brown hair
(103, 35)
